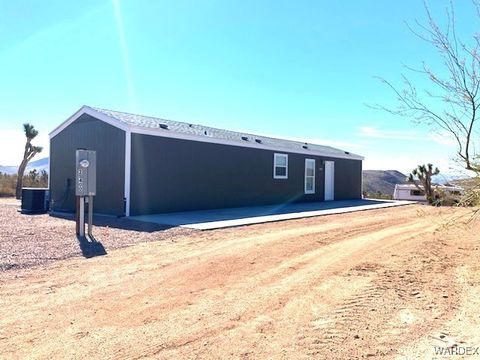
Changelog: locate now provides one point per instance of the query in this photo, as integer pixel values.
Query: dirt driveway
(390, 283)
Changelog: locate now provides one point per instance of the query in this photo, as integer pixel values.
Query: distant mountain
(466, 183)
(39, 165)
(447, 178)
(8, 169)
(383, 181)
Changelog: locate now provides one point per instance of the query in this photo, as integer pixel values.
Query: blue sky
(296, 69)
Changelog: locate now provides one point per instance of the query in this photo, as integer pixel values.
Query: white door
(329, 180)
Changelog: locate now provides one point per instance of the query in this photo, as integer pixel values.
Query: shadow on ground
(90, 247)
(118, 223)
(158, 222)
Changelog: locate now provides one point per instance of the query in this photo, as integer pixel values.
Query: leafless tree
(452, 101)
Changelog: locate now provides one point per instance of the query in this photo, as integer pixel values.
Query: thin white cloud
(327, 142)
(12, 144)
(407, 162)
(442, 138)
(373, 132)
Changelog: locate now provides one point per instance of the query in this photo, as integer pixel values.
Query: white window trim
(275, 156)
(312, 176)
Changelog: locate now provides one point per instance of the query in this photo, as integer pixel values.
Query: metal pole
(90, 215)
(77, 215)
(82, 216)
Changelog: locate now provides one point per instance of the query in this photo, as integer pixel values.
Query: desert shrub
(32, 179)
(7, 184)
(377, 195)
(471, 197)
(445, 198)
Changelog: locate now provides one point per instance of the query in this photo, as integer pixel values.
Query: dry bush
(7, 184)
(377, 195)
(445, 198)
(32, 179)
(471, 197)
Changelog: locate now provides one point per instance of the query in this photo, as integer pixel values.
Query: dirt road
(390, 283)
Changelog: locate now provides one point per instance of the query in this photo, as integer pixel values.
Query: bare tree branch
(454, 90)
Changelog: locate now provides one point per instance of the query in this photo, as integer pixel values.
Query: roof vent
(347, 152)
(245, 138)
(258, 141)
(163, 126)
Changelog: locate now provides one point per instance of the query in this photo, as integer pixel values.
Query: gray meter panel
(86, 171)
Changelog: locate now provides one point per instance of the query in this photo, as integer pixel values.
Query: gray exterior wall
(176, 175)
(109, 142)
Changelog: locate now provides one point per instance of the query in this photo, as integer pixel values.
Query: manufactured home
(411, 192)
(148, 165)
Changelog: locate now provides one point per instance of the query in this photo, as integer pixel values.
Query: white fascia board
(175, 135)
(207, 139)
(128, 161)
(89, 111)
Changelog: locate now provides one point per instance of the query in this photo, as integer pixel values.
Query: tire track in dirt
(457, 327)
(255, 292)
(123, 302)
(265, 261)
(372, 293)
(293, 286)
(299, 282)
(396, 307)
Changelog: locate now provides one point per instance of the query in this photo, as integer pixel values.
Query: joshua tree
(44, 178)
(30, 151)
(423, 174)
(33, 176)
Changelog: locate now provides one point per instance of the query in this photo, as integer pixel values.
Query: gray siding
(109, 142)
(176, 175)
(348, 179)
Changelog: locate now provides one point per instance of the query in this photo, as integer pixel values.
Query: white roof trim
(175, 135)
(89, 111)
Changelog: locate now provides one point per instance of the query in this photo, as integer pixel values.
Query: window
(309, 176)
(280, 166)
(417, 193)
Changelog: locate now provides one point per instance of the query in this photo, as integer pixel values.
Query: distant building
(411, 192)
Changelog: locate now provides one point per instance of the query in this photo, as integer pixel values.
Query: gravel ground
(30, 240)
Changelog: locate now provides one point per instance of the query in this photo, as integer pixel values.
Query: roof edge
(92, 112)
(111, 120)
(212, 140)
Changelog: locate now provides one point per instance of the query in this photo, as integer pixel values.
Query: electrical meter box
(86, 172)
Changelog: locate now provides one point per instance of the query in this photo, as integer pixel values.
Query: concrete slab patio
(221, 218)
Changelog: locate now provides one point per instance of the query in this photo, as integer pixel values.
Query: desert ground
(380, 284)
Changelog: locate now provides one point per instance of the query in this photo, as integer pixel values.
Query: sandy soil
(387, 284)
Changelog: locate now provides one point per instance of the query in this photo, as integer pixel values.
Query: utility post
(85, 188)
